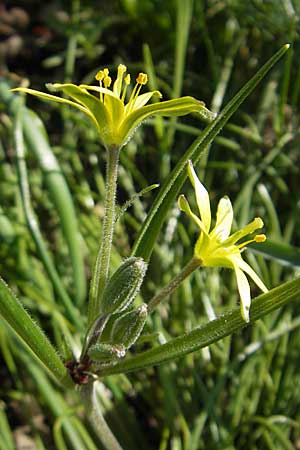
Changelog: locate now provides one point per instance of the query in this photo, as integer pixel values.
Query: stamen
(257, 238)
(142, 78)
(101, 74)
(260, 238)
(119, 80)
(242, 245)
(107, 82)
(127, 82)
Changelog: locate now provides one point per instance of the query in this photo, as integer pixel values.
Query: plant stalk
(174, 283)
(96, 418)
(101, 268)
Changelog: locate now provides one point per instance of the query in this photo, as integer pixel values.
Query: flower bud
(123, 286)
(127, 328)
(103, 352)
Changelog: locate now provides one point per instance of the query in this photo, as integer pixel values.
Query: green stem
(96, 418)
(101, 268)
(174, 283)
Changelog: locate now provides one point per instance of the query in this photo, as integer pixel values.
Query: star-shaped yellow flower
(115, 119)
(216, 247)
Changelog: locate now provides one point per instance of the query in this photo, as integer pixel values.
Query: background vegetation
(241, 392)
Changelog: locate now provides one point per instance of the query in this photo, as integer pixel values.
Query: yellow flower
(215, 246)
(115, 119)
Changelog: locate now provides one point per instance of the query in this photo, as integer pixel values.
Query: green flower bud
(103, 352)
(123, 286)
(127, 328)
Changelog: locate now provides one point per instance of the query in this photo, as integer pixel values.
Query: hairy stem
(101, 268)
(96, 418)
(174, 283)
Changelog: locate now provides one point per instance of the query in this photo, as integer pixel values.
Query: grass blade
(213, 331)
(27, 330)
(148, 235)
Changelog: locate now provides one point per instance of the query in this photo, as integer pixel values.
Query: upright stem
(101, 268)
(174, 283)
(96, 418)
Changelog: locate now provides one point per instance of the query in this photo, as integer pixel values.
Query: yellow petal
(55, 98)
(140, 101)
(184, 206)
(244, 291)
(224, 220)
(115, 108)
(202, 197)
(246, 268)
(93, 104)
(99, 89)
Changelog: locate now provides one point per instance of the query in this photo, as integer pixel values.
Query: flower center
(121, 83)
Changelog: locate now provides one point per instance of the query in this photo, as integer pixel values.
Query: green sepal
(103, 352)
(123, 286)
(129, 326)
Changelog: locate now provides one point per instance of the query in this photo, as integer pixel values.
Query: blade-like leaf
(213, 331)
(27, 330)
(151, 227)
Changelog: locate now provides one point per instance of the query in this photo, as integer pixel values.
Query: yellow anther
(260, 238)
(107, 81)
(127, 79)
(142, 78)
(99, 75)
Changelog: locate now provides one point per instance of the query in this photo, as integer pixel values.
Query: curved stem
(96, 418)
(101, 268)
(174, 283)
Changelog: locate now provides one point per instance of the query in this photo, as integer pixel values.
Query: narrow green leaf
(15, 315)
(148, 235)
(228, 323)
